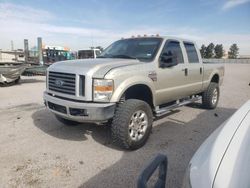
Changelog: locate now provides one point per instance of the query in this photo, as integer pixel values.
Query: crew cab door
(172, 73)
(195, 68)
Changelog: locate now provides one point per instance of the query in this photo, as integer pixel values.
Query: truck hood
(92, 67)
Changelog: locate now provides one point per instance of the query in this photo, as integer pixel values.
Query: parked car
(223, 160)
(133, 80)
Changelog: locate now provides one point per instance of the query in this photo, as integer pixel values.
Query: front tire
(132, 124)
(210, 97)
(66, 121)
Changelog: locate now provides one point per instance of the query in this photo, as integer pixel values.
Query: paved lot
(38, 151)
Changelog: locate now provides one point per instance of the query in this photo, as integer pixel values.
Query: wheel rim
(215, 96)
(138, 125)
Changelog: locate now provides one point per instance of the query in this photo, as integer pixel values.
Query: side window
(191, 52)
(173, 48)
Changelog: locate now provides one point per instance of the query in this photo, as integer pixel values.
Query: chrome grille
(62, 82)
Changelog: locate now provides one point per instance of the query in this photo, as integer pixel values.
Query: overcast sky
(81, 24)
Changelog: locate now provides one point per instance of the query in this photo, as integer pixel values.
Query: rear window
(191, 52)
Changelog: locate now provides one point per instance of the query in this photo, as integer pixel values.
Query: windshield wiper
(123, 56)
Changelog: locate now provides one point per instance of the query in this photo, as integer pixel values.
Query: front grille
(62, 82)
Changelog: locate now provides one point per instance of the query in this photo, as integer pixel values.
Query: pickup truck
(130, 83)
(88, 54)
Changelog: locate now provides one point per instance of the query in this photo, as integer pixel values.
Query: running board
(165, 110)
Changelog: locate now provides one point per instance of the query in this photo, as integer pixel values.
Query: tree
(218, 50)
(203, 51)
(233, 51)
(209, 51)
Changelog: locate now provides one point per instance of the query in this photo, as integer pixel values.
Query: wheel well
(141, 92)
(215, 78)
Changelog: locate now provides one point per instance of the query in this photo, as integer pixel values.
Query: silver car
(223, 159)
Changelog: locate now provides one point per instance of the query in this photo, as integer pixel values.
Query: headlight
(102, 89)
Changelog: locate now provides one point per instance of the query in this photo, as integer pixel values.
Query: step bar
(162, 111)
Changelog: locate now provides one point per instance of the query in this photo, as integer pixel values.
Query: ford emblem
(59, 83)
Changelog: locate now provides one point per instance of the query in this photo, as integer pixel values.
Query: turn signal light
(103, 88)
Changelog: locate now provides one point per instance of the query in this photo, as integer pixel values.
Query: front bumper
(79, 111)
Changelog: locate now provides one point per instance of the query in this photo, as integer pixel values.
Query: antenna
(92, 40)
(12, 45)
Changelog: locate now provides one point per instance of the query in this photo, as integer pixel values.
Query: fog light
(78, 112)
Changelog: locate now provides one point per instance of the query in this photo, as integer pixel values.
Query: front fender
(134, 80)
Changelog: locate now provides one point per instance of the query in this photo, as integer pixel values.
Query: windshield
(143, 49)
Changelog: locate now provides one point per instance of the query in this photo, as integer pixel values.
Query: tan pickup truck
(130, 83)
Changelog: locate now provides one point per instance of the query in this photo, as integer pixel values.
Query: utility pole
(26, 50)
(12, 49)
(40, 52)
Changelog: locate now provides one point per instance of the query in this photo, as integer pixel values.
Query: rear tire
(132, 124)
(66, 121)
(210, 97)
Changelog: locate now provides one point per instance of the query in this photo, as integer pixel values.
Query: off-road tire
(207, 96)
(120, 124)
(66, 121)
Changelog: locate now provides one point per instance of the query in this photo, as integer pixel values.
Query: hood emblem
(59, 83)
(152, 75)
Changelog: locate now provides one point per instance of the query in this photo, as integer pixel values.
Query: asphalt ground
(38, 151)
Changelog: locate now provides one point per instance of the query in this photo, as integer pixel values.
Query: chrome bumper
(79, 111)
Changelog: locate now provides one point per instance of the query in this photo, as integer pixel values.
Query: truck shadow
(46, 121)
(178, 140)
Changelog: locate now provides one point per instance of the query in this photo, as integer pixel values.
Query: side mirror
(168, 60)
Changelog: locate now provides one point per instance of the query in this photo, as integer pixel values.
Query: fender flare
(126, 84)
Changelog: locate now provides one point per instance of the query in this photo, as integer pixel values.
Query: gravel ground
(38, 151)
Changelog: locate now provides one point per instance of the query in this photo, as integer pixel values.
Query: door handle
(186, 71)
(200, 70)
